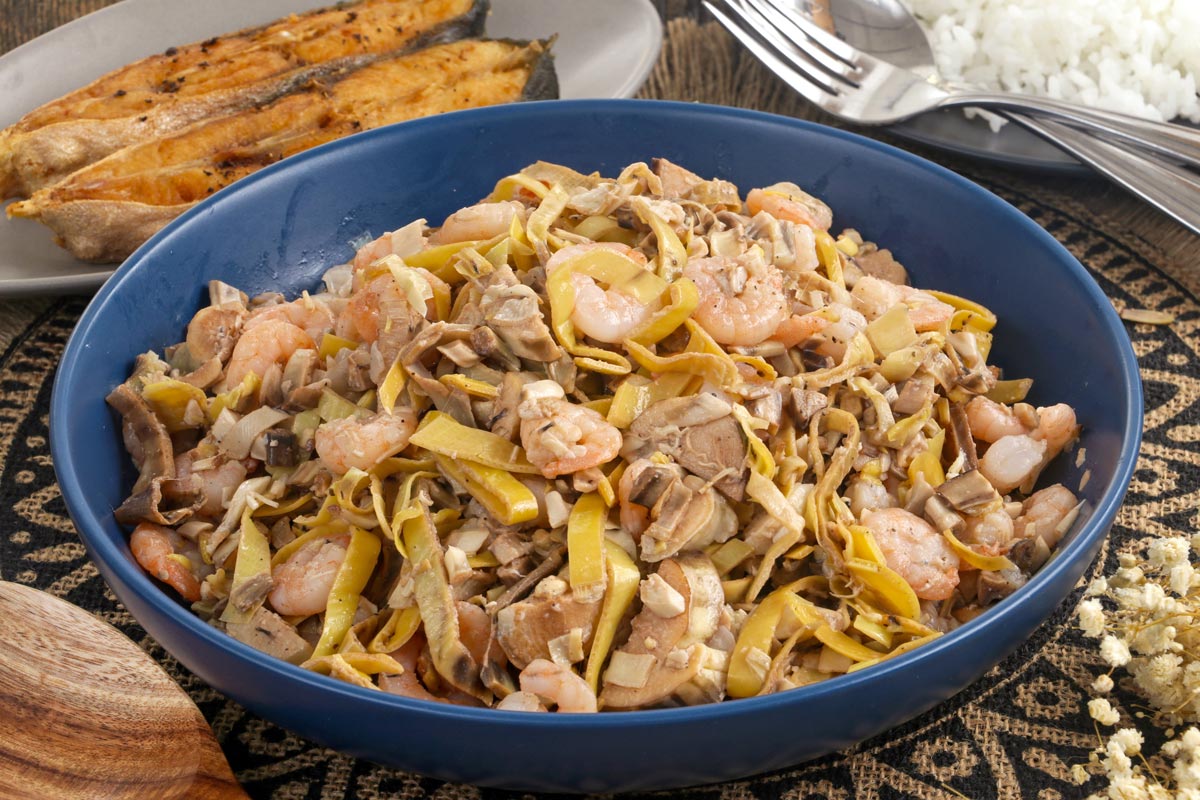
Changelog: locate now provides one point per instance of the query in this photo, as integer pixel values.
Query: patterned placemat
(1013, 734)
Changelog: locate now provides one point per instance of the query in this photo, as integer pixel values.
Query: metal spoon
(85, 713)
(886, 29)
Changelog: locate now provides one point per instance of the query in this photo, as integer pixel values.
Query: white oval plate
(604, 49)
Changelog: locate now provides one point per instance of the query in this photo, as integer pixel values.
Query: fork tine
(831, 43)
(795, 43)
(802, 81)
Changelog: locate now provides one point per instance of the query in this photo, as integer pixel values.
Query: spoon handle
(1168, 187)
(1175, 142)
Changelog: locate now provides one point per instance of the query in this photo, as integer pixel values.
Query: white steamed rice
(1140, 57)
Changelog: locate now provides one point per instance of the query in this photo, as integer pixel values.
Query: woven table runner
(1015, 733)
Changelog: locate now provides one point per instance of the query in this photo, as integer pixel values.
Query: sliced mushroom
(916, 393)
(969, 492)
(165, 501)
(942, 517)
(995, 586)
(525, 629)
(700, 434)
(663, 655)
(213, 332)
(687, 515)
(268, 632)
(514, 313)
(959, 438)
(805, 403)
(145, 437)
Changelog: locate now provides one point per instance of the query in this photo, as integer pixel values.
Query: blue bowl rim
(105, 551)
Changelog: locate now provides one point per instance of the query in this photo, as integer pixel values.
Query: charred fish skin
(105, 211)
(150, 99)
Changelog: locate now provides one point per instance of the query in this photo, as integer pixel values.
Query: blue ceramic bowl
(281, 227)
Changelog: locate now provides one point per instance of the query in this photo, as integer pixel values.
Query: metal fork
(857, 85)
(860, 88)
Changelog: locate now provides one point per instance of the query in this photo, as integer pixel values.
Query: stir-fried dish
(593, 444)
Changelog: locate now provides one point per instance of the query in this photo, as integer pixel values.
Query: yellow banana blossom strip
(683, 297)
(170, 400)
(396, 632)
(295, 504)
(672, 255)
(976, 560)
(604, 488)
(859, 354)
(735, 590)
(505, 497)
(404, 507)
(537, 227)
(393, 383)
(715, 369)
(829, 257)
(253, 560)
(333, 406)
(841, 643)
(442, 434)
(756, 635)
(908, 427)
(331, 344)
(471, 386)
(730, 554)
(758, 364)
(929, 462)
(623, 580)
(484, 560)
(585, 547)
(351, 579)
(861, 544)
(761, 460)
(764, 492)
(507, 187)
(1009, 392)
(600, 405)
(345, 488)
(233, 397)
(898, 651)
(436, 259)
(892, 591)
(631, 398)
(377, 506)
(873, 630)
(289, 549)
(354, 668)
(390, 466)
(435, 600)
(978, 316)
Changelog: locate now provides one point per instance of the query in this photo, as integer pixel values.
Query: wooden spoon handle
(84, 712)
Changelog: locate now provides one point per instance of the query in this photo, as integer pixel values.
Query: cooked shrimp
(1056, 427)
(607, 315)
(560, 437)
(408, 683)
(799, 328)
(215, 484)
(401, 242)
(990, 421)
(272, 342)
(363, 443)
(309, 313)
(381, 307)
(741, 299)
(300, 585)
(874, 296)
(788, 201)
(865, 493)
(558, 685)
(521, 701)
(158, 550)
(990, 534)
(1013, 460)
(481, 221)
(1042, 513)
(915, 551)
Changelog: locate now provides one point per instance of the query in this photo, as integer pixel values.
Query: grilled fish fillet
(165, 93)
(104, 211)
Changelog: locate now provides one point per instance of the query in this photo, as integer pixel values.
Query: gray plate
(604, 49)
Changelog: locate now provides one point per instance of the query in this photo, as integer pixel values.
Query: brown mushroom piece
(960, 440)
(145, 437)
(514, 313)
(166, 501)
(684, 513)
(268, 632)
(525, 629)
(213, 332)
(700, 434)
(665, 659)
(968, 493)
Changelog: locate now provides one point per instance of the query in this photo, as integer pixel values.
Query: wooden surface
(85, 713)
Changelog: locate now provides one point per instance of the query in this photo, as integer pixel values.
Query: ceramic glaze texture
(281, 228)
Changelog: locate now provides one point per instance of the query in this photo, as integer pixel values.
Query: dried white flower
(1091, 618)
(1114, 651)
(1103, 684)
(1102, 711)
(1167, 552)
